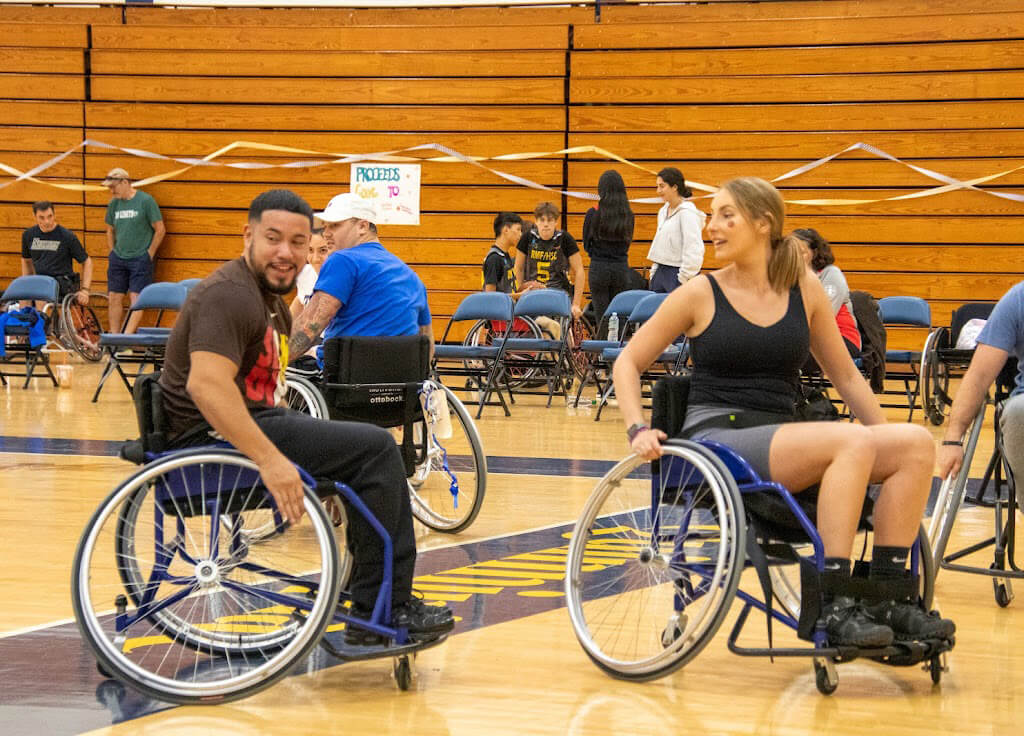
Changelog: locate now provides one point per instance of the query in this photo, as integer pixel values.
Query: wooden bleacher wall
(719, 89)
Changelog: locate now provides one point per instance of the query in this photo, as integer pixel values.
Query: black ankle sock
(888, 563)
(837, 572)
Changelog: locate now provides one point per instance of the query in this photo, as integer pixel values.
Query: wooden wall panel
(383, 38)
(33, 60)
(57, 35)
(24, 113)
(295, 90)
(332, 63)
(42, 86)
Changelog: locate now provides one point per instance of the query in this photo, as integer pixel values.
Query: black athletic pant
(366, 459)
(606, 280)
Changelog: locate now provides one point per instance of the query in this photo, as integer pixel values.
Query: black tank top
(744, 366)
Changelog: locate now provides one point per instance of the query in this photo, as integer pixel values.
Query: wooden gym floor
(513, 665)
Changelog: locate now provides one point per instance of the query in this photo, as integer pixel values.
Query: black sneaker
(847, 624)
(422, 621)
(909, 621)
(359, 637)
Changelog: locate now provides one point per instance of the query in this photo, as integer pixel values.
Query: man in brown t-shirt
(224, 367)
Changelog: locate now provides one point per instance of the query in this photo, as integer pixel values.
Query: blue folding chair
(145, 347)
(28, 326)
(670, 361)
(905, 311)
(478, 363)
(189, 283)
(548, 356)
(621, 305)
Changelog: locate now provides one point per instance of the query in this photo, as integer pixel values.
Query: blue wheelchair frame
(748, 483)
(165, 493)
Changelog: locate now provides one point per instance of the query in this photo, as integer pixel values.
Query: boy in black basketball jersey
(499, 265)
(545, 256)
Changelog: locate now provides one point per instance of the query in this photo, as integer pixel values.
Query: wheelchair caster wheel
(403, 672)
(103, 671)
(935, 668)
(825, 677)
(1003, 593)
(673, 631)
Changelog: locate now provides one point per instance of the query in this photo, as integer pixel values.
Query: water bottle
(613, 327)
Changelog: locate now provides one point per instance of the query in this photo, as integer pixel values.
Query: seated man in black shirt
(499, 264)
(47, 249)
(225, 364)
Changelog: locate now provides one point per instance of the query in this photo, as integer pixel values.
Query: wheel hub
(207, 572)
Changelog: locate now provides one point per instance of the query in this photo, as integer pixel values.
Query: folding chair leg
(608, 391)
(107, 370)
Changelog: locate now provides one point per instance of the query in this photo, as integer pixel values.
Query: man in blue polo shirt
(362, 289)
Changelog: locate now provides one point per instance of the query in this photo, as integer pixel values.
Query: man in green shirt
(135, 229)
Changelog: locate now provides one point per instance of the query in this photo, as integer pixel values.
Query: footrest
(351, 653)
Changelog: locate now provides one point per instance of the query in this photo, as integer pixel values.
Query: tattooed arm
(314, 318)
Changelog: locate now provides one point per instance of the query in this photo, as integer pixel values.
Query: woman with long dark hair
(677, 251)
(751, 325)
(817, 254)
(607, 234)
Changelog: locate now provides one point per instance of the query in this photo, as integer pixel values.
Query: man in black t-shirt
(544, 258)
(499, 265)
(48, 249)
(225, 366)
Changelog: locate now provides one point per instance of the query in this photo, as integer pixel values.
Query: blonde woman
(751, 325)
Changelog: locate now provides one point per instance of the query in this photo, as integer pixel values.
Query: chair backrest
(189, 283)
(905, 310)
(964, 314)
(35, 287)
(484, 305)
(645, 308)
(623, 303)
(161, 295)
(544, 303)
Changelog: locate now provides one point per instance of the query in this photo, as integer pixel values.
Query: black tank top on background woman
(741, 365)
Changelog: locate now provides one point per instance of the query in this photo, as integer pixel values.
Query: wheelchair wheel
(447, 489)
(649, 584)
(303, 396)
(80, 328)
(934, 386)
(786, 578)
(579, 330)
(184, 611)
(481, 334)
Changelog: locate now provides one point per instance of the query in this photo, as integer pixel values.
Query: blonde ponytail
(785, 264)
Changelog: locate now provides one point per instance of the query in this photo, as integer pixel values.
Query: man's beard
(267, 285)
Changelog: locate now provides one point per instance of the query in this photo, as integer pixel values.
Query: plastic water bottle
(613, 327)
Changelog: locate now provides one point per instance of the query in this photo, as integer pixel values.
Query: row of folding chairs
(507, 346)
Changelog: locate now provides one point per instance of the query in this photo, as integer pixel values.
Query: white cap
(347, 206)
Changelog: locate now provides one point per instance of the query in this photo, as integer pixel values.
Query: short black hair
(279, 199)
(505, 218)
(821, 251)
(41, 206)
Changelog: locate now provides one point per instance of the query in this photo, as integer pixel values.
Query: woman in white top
(678, 246)
(306, 280)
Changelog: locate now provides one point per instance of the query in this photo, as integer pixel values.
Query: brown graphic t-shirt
(230, 315)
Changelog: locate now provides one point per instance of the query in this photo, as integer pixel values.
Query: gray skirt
(753, 444)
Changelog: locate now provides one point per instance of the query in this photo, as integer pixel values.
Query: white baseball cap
(347, 206)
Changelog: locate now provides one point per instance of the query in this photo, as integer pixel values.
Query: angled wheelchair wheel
(178, 607)
(80, 328)
(303, 396)
(654, 561)
(934, 387)
(447, 489)
(786, 578)
(579, 330)
(480, 334)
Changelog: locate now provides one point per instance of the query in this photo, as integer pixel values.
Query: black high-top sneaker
(847, 624)
(909, 621)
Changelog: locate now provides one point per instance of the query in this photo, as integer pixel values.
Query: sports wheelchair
(178, 600)
(999, 479)
(657, 554)
(942, 361)
(383, 381)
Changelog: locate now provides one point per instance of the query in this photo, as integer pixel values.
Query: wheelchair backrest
(669, 397)
(149, 411)
(368, 360)
(964, 314)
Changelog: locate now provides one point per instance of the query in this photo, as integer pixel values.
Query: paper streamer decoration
(949, 183)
